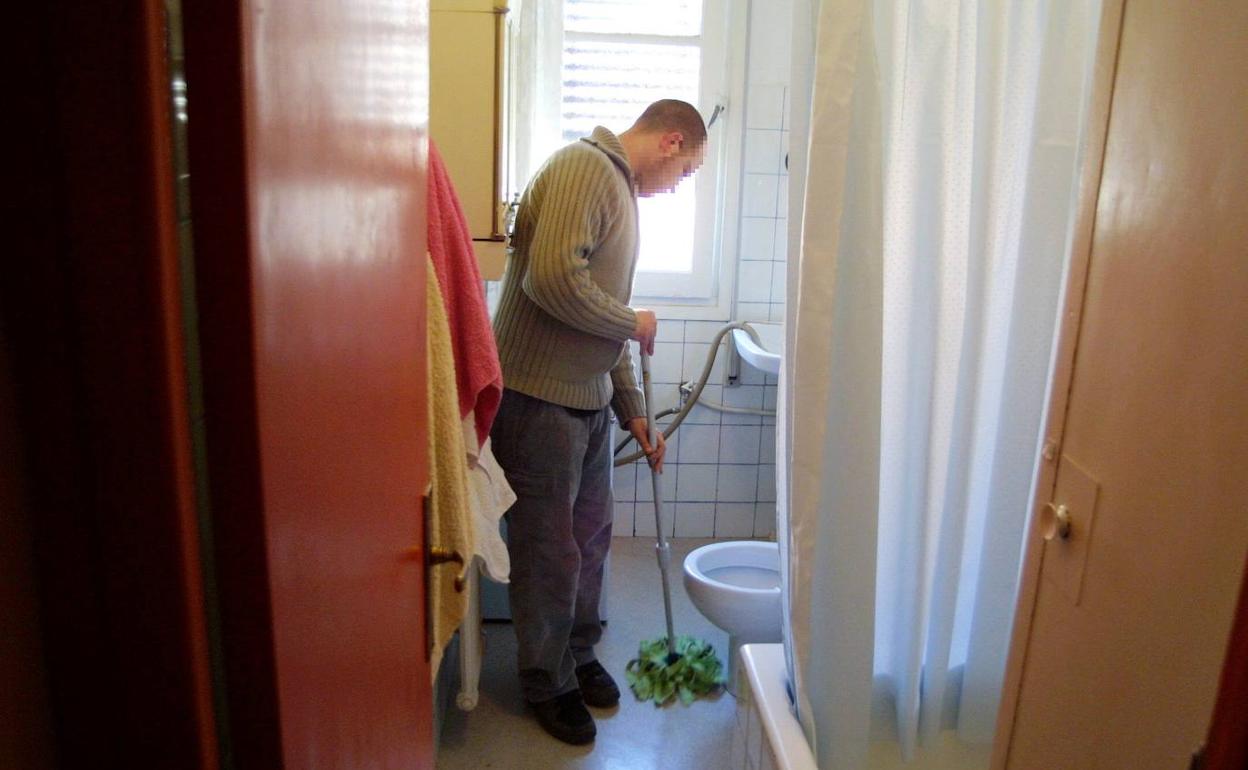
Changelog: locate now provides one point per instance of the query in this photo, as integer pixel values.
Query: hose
(696, 393)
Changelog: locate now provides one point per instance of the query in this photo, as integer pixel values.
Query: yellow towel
(449, 523)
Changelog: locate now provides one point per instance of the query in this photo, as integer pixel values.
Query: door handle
(1055, 521)
(438, 556)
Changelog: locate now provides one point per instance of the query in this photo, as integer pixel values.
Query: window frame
(706, 292)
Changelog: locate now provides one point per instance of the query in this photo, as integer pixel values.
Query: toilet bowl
(736, 586)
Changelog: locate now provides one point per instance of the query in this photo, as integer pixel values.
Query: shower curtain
(937, 185)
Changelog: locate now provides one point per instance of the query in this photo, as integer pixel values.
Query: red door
(307, 134)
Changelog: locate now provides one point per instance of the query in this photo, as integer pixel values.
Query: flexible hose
(692, 401)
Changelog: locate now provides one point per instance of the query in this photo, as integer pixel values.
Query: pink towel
(478, 374)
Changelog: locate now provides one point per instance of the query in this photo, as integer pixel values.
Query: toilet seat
(736, 553)
(747, 613)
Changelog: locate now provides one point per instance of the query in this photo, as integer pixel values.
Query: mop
(670, 666)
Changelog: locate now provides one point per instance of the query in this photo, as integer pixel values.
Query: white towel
(489, 497)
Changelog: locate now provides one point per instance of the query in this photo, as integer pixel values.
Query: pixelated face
(667, 171)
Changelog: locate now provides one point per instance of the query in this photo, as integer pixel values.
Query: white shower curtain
(937, 191)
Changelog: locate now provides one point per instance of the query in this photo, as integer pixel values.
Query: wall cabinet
(466, 82)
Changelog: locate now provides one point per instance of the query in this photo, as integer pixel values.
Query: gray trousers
(558, 461)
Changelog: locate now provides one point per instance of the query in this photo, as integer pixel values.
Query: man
(563, 327)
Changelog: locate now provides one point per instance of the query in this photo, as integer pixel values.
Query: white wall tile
(770, 41)
(780, 244)
(750, 396)
(782, 199)
(771, 394)
(779, 271)
(764, 519)
(734, 519)
(645, 490)
(666, 362)
(767, 445)
(624, 483)
(762, 151)
(755, 282)
(764, 106)
(741, 419)
(701, 415)
(758, 238)
(643, 519)
(670, 330)
(701, 331)
(695, 520)
(766, 484)
(737, 484)
(775, 312)
(697, 483)
(751, 311)
(622, 520)
(673, 445)
(749, 374)
(665, 395)
(739, 444)
(759, 195)
(699, 444)
(493, 293)
(695, 354)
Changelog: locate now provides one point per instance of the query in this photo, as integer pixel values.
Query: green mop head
(692, 672)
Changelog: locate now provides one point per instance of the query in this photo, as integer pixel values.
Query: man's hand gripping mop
(670, 666)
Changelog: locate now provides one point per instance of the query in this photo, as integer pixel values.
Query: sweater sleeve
(626, 397)
(578, 198)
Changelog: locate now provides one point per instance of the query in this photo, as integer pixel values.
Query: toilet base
(735, 670)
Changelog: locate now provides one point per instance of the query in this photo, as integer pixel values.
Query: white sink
(767, 357)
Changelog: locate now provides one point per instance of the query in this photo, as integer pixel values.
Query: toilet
(736, 585)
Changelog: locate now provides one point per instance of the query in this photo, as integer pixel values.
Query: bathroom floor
(501, 733)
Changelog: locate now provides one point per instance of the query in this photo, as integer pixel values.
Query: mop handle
(662, 550)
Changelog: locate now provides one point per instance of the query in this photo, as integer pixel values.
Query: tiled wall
(765, 200)
(720, 476)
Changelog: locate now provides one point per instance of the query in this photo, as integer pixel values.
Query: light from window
(681, 18)
(667, 230)
(610, 83)
(618, 57)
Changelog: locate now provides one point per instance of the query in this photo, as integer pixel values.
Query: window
(618, 57)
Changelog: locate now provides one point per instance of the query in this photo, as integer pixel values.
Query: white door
(1116, 663)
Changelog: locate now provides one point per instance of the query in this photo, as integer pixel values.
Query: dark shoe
(597, 686)
(566, 718)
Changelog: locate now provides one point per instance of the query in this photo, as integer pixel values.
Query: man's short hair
(674, 115)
